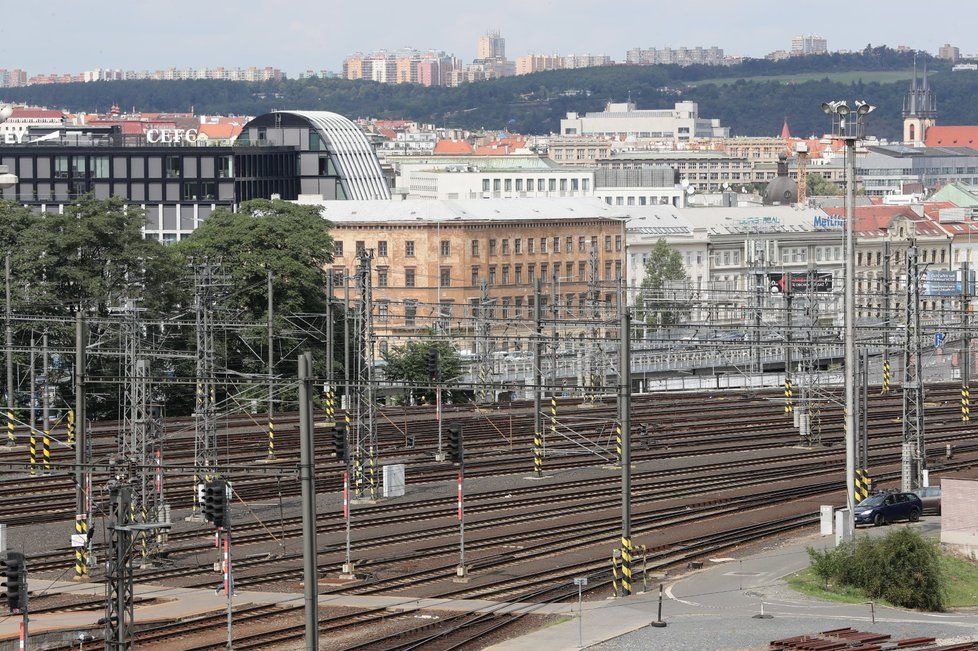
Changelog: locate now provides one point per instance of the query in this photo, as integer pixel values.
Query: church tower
(919, 110)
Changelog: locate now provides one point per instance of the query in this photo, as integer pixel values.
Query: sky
(296, 35)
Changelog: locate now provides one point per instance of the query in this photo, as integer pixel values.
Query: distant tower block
(919, 110)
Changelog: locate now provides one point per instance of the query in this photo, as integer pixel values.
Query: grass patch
(961, 581)
(867, 76)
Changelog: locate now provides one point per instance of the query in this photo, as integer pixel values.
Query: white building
(624, 120)
(648, 186)
(470, 182)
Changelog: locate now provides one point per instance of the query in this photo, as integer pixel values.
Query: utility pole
(483, 344)
(9, 338)
(914, 453)
(537, 382)
(788, 389)
(330, 388)
(118, 570)
(347, 371)
(271, 368)
(46, 403)
(81, 457)
(308, 479)
(966, 343)
(887, 323)
(624, 417)
(365, 427)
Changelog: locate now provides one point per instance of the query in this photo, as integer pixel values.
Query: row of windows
(642, 201)
(501, 247)
(936, 256)
(612, 271)
(542, 185)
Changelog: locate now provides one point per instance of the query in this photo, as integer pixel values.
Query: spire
(785, 132)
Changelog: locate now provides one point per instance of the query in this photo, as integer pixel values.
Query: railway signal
(15, 581)
(456, 451)
(433, 364)
(339, 442)
(216, 502)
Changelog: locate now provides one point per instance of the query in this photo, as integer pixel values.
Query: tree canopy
(409, 364)
(663, 270)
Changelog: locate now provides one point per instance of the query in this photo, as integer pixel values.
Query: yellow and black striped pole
(33, 450)
(618, 442)
(965, 403)
(626, 566)
(553, 420)
(788, 404)
(614, 575)
(81, 551)
(862, 485)
(330, 407)
(11, 436)
(71, 427)
(271, 437)
(886, 376)
(46, 447)
(538, 454)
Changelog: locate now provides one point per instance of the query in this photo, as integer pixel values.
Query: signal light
(339, 442)
(433, 372)
(15, 581)
(215, 506)
(456, 448)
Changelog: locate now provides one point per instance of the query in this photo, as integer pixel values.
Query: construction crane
(801, 150)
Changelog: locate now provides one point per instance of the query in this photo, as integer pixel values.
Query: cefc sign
(171, 136)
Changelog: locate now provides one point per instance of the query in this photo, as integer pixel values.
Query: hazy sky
(295, 35)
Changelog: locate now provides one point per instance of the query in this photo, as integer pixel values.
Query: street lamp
(849, 130)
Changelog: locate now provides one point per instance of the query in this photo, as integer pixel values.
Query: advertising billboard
(801, 282)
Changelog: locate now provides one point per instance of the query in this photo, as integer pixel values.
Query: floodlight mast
(849, 130)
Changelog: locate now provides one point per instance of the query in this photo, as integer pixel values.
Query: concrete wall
(959, 517)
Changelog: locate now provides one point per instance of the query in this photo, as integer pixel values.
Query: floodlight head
(842, 108)
(864, 108)
(827, 107)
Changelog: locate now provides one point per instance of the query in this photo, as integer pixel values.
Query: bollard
(659, 623)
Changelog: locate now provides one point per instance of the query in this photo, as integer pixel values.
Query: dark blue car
(882, 508)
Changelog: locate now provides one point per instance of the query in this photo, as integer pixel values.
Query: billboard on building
(801, 282)
(936, 282)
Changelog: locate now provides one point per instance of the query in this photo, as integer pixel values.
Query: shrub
(902, 567)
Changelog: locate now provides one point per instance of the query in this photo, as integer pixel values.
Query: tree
(290, 240)
(819, 186)
(663, 270)
(408, 364)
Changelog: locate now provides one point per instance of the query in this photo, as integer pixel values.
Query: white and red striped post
(460, 570)
(226, 565)
(348, 564)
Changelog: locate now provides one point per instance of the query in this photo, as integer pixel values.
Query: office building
(899, 169)
(949, 52)
(807, 45)
(623, 120)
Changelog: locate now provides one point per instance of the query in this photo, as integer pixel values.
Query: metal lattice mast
(118, 570)
(483, 343)
(813, 393)
(205, 420)
(591, 347)
(914, 453)
(887, 319)
(365, 429)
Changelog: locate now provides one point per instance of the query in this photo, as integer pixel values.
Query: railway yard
(712, 473)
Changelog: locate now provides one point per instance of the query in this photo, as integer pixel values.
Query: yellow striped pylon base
(886, 376)
(33, 450)
(11, 438)
(788, 404)
(863, 485)
(71, 427)
(626, 566)
(46, 449)
(538, 454)
(271, 437)
(965, 404)
(81, 554)
(618, 446)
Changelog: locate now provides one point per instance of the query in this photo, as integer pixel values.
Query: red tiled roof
(873, 219)
(35, 113)
(951, 136)
(453, 147)
(219, 131)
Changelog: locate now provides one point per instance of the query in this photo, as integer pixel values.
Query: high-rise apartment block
(12, 78)
(491, 46)
(531, 63)
(681, 56)
(403, 67)
(949, 52)
(803, 46)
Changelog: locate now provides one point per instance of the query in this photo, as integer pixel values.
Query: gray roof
(425, 210)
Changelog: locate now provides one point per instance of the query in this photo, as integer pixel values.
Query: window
(174, 165)
(617, 242)
(409, 275)
(100, 167)
(530, 242)
(563, 185)
(383, 310)
(531, 273)
(508, 185)
(475, 276)
(542, 185)
(360, 247)
(410, 313)
(496, 185)
(382, 249)
(543, 245)
(556, 245)
(580, 270)
(190, 191)
(575, 184)
(78, 166)
(519, 185)
(581, 246)
(594, 242)
(519, 307)
(607, 270)
(607, 243)
(518, 246)
(505, 274)
(446, 247)
(492, 247)
(543, 272)
(617, 269)
(505, 246)
(475, 248)
(445, 276)
(569, 270)
(382, 276)
(505, 313)
(492, 274)
(208, 190)
(225, 167)
(585, 184)
(552, 184)
(409, 248)
(518, 270)
(569, 244)
(338, 248)
(485, 185)
(60, 167)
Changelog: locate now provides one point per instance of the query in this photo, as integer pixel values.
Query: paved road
(714, 608)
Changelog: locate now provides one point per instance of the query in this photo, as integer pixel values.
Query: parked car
(931, 499)
(882, 508)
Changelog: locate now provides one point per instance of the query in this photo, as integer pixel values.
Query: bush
(902, 568)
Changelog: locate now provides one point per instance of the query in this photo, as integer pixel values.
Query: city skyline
(324, 35)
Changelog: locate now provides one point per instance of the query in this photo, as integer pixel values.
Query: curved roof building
(336, 161)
